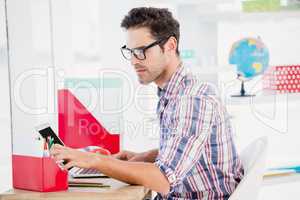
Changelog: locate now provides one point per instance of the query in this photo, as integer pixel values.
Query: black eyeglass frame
(143, 49)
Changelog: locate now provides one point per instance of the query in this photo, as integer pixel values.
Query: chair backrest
(253, 159)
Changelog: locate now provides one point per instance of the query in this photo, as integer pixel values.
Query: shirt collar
(172, 85)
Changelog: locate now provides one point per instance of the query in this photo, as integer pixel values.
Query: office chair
(253, 159)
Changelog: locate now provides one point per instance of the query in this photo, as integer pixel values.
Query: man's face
(153, 66)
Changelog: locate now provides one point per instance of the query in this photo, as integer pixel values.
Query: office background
(76, 38)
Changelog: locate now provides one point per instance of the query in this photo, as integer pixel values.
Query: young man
(196, 158)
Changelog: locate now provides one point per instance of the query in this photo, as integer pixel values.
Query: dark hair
(160, 21)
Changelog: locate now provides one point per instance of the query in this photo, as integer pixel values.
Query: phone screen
(46, 132)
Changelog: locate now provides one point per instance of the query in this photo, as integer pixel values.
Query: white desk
(276, 117)
(281, 188)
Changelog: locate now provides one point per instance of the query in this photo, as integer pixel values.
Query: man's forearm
(140, 173)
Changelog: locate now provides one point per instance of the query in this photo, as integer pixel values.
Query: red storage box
(40, 174)
(284, 79)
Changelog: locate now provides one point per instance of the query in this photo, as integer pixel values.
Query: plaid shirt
(196, 153)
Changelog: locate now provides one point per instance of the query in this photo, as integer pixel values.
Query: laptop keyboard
(76, 172)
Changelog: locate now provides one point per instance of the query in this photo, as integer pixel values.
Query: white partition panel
(5, 118)
(31, 73)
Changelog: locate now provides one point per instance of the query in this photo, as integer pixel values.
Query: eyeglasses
(139, 53)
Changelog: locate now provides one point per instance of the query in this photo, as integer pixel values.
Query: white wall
(281, 36)
(273, 116)
(198, 34)
(86, 40)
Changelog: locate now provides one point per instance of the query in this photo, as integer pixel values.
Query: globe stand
(243, 92)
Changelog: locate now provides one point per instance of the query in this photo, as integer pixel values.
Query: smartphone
(46, 131)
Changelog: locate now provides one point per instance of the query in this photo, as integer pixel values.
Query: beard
(147, 76)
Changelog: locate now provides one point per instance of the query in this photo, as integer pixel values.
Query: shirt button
(172, 178)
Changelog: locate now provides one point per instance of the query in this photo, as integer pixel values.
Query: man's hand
(74, 157)
(139, 173)
(125, 155)
(148, 156)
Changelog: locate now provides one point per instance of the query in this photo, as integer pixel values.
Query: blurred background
(70, 40)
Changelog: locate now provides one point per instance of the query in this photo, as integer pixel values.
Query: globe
(251, 58)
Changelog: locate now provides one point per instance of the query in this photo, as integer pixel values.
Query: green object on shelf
(187, 54)
(93, 83)
(261, 5)
(291, 6)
